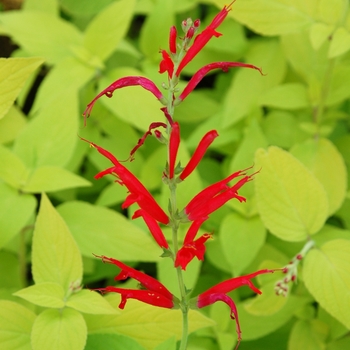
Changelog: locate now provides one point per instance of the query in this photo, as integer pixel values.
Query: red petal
(174, 143)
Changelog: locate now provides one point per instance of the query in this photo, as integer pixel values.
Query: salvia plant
(249, 232)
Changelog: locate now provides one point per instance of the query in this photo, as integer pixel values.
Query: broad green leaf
(332, 12)
(90, 302)
(109, 26)
(83, 8)
(326, 275)
(285, 96)
(336, 328)
(309, 335)
(319, 33)
(111, 341)
(339, 344)
(282, 129)
(272, 17)
(339, 84)
(10, 268)
(291, 201)
(42, 34)
(126, 102)
(50, 138)
(47, 6)
(12, 169)
(15, 326)
(330, 232)
(52, 178)
(241, 99)
(76, 70)
(111, 195)
(59, 330)
(15, 211)
(11, 125)
(148, 325)
(169, 344)
(13, 74)
(244, 158)
(155, 31)
(340, 42)
(46, 294)
(216, 256)
(55, 256)
(241, 239)
(254, 327)
(326, 163)
(102, 231)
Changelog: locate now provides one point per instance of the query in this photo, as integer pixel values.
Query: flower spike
(124, 82)
(174, 143)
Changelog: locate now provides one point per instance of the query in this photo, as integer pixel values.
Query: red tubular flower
(193, 230)
(203, 209)
(166, 64)
(174, 143)
(190, 250)
(199, 153)
(153, 226)
(155, 294)
(201, 39)
(199, 75)
(123, 82)
(213, 190)
(218, 293)
(172, 39)
(138, 192)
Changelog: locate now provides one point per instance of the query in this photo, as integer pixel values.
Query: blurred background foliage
(292, 123)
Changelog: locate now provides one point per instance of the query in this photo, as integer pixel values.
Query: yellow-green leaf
(322, 158)
(340, 42)
(291, 201)
(319, 33)
(326, 275)
(13, 74)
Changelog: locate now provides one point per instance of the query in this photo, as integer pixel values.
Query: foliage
(292, 124)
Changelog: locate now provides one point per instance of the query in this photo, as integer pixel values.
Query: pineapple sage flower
(219, 293)
(155, 293)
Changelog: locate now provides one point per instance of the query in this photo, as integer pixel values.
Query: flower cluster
(202, 205)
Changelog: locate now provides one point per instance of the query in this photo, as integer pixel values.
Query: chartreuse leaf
(53, 178)
(12, 221)
(308, 335)
(90, 302)
(111, 341)
(11, 124)
(102, 231)
(155, 31)
(46, 294)
(319, 33)
(126, 102)
(326, 275)
(42, 34)
(241, 239)
(109, 26)
(48, 6)
(244, 158)
(13, 74)
(285, 96)
(55, 256)
(336, 328)
(254, 326)
(322, 158)
(59, 330)
(12, 170)
(169, 344)
(283, 17)
(241, 99)
(291, 201)
(50, 138)
(149, 325)
(16, 322)
(340, 42)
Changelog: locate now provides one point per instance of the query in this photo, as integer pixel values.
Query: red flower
(138, 192)
(153, 226)
(190, 250)
(202, 38)
(166, 64)
(198, 154)
(174, 143)
(155, 294)
(218, 293)
(199, 75)
(215, 196)
(123, 82)
(172, 39)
